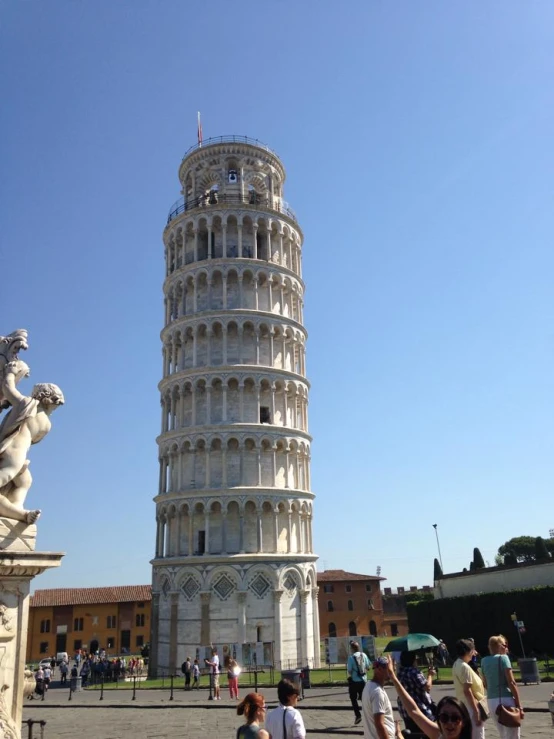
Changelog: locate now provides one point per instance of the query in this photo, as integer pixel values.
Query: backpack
(360, 666)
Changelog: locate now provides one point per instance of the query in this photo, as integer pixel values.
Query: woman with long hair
(253, 708)
(500, 684)
(453, 721)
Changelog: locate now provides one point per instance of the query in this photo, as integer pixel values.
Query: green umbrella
(412, 642)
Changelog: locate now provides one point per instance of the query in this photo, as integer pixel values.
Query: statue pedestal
(17, 569)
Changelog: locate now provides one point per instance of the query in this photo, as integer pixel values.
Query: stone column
(259, 526)
(276, 524)
(239, 229)
(224, 230)
(173, 633)
(255, 241)
(154, 633)
(289, 532)
(223, 532)
(19, 564)
(191, 532)
(208, 404)
(241, 532)
(224, 294)
(304, 615)
(242, 616)
(207, 532)
(195, 232)
(277, 637)
(315, 616)
(205, 636)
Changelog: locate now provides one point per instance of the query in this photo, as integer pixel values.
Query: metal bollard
(102, 688)
(256, 680)
(134, 687)
(171, 693)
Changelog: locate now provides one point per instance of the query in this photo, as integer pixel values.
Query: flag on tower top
(199, 130)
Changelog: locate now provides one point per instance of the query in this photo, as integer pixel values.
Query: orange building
(116, 619)
(349, 604)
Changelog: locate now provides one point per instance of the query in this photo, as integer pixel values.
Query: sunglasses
(450, 718)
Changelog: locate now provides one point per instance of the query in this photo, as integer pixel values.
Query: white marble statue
(26, 423)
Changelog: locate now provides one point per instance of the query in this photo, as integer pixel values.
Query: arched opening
(350, 605)
(332, 630)
(373, 628)
(330, 606)
(352, 629)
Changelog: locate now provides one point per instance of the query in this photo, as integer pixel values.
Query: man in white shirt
(214, 673)
(285, 721)
(377, 714)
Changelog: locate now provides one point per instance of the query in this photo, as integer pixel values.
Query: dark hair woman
(253, 708)
(453, 721)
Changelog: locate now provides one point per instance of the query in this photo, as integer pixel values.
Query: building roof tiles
(340, 575)
(90, 596)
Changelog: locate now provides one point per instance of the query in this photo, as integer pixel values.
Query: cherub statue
(26, 423)
(10, 345)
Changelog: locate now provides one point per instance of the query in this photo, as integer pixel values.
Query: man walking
(376, 706)
(186, 668)
(356, 667)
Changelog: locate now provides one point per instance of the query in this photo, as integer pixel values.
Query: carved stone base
(16, 536)
(17, 569)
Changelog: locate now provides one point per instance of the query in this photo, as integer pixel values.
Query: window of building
(330, 605)
(373, 628)
(348, 588)
(45, 626)
(394, 629)
(259, 633)
(350, 605)
(352, 630)
(332, 629)
(368, 587)
(77, 644)
(328, 588)
(77, 624)
(370, 605)
(139, 641)
(139, 619)
(110, 642)
(140, 605)
(265, 415)
(44, 647)
(110, 622)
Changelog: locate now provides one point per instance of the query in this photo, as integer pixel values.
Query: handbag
(483, 708)
(507, 715)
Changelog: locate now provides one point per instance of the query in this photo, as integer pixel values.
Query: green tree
(523, 547)
(510, 558)
(478, 561)
(437, 570)
(541, 550)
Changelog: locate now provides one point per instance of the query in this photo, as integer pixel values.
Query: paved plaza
(326, 711)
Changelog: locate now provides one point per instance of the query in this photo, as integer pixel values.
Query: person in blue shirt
(356, 667)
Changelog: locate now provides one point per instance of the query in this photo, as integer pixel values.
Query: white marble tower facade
(234, 562)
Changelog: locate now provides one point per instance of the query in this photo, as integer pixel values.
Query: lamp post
(438, 545)
(519, 627)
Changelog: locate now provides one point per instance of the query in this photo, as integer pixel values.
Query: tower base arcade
(265, 612)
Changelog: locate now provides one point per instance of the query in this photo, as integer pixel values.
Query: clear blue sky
(417, 138)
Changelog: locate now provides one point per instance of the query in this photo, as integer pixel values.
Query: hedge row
(480, 616)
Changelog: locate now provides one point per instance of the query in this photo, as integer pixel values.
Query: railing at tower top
(229, 140)
(215, 198)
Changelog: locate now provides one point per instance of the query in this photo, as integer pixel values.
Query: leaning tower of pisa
(234, 565)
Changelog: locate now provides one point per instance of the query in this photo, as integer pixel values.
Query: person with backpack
(186, 669)
(356, 667)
